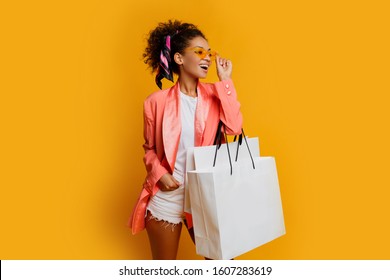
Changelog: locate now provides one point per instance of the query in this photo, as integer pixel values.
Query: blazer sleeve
(230, 113)
(152, 163)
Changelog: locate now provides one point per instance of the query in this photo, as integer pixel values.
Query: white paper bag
(205, 158)
(234, 213)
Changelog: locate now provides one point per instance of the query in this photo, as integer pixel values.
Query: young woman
(185, 115)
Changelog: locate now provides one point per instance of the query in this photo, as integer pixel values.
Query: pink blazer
(162, 128)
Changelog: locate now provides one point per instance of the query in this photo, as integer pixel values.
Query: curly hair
(181, 34)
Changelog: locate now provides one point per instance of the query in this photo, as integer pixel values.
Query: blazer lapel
(172, 125)
(201, 114)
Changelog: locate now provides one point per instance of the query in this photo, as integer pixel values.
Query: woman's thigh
(163, 237)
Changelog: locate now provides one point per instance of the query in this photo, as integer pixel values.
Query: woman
(185, 115)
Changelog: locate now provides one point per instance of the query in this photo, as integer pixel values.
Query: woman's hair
(180, 35)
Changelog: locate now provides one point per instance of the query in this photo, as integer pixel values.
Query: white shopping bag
(234, 213)
(205, 158)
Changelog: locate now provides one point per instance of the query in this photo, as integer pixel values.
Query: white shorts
(168, 206)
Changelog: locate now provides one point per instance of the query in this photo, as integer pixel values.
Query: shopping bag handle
(217, 138)
(218, 143)
(242, 135)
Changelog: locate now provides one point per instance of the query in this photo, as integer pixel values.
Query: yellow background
(313, 81)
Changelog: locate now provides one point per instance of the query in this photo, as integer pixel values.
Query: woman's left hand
(224, 68)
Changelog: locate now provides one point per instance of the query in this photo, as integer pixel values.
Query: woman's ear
(178, 58)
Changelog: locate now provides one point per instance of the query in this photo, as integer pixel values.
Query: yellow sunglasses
(202, 53)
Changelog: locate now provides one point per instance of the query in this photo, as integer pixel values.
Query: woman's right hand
(168, 183)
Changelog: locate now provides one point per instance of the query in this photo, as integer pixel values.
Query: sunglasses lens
(202, 53)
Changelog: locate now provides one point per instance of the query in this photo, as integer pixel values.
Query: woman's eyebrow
(202, 47)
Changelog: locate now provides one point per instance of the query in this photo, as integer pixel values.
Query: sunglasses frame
(212, 54)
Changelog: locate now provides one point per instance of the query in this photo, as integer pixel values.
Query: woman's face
(192, 64)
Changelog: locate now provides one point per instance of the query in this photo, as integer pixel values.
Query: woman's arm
(230, 113)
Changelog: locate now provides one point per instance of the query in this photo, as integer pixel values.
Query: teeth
(203, 66)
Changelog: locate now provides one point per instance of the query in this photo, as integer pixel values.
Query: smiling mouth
(204, 67)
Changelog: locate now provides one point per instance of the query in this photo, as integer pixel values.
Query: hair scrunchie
(164, 69)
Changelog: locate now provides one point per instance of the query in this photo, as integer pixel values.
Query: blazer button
(229, 92)
(227, 86)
